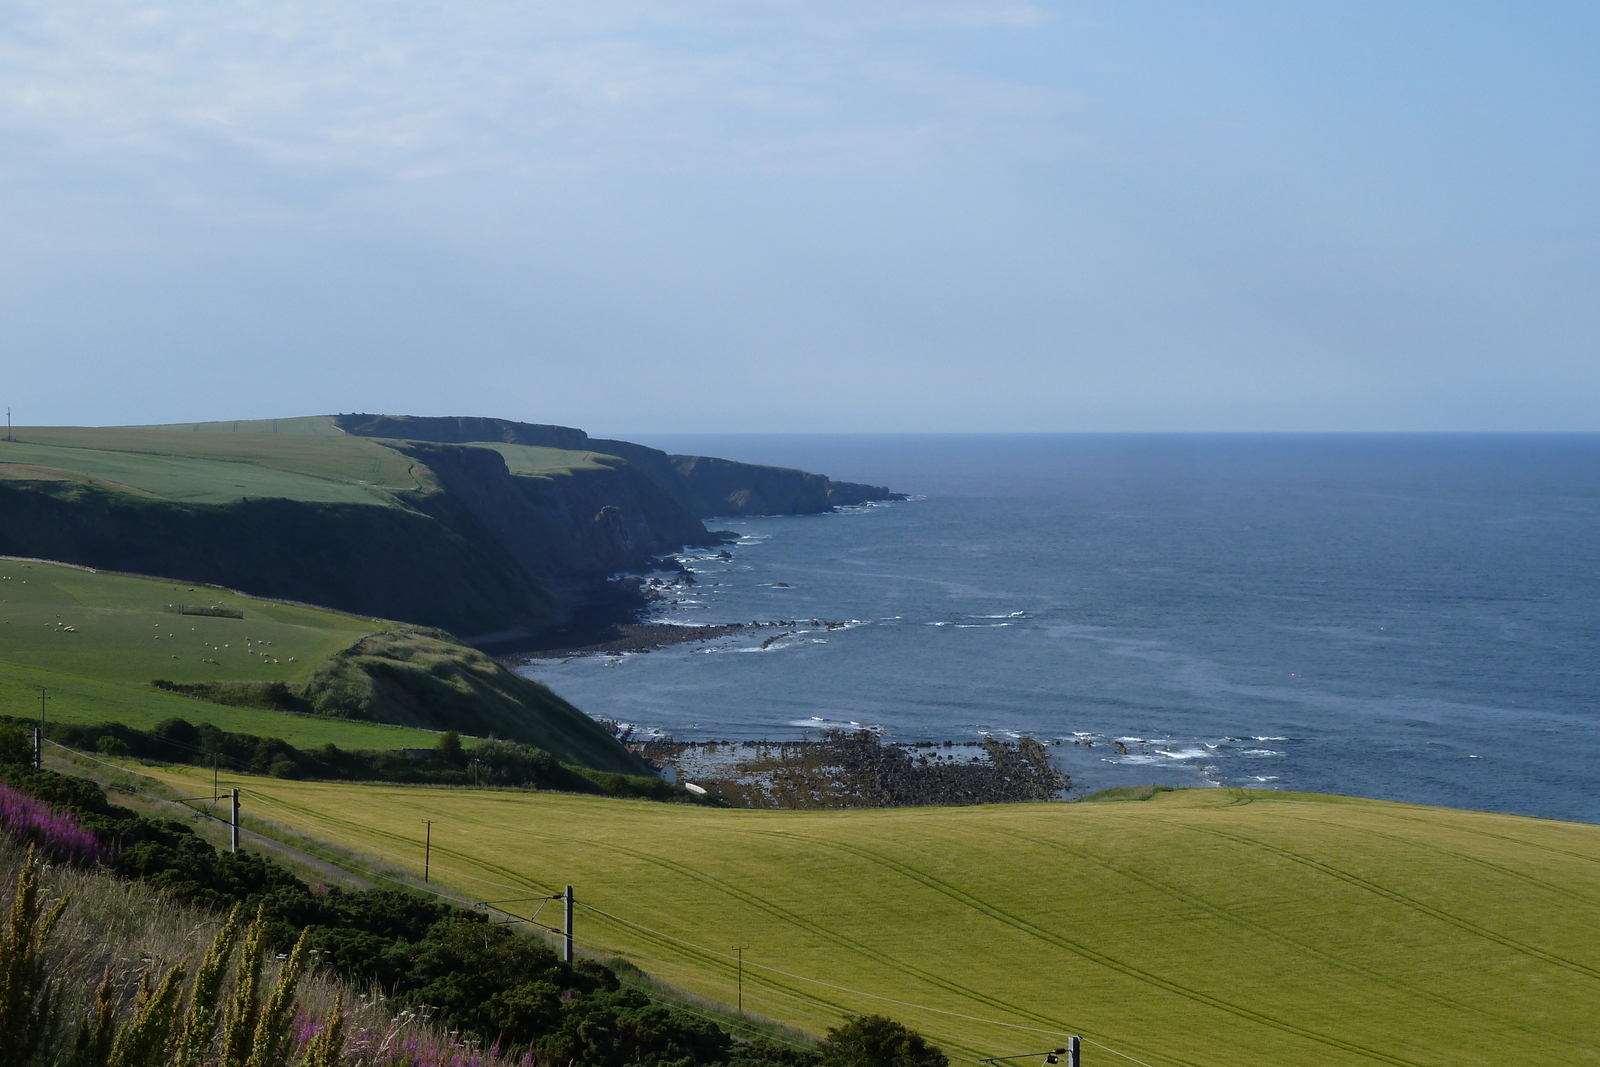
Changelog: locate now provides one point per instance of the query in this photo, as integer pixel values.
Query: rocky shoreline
(858, 770)
(650, 636)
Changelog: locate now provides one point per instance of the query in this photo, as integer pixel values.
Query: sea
(1412, 617)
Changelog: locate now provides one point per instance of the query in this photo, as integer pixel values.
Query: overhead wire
(272, 801)
(853, 992)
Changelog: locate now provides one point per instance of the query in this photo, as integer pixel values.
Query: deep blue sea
(1413, 617)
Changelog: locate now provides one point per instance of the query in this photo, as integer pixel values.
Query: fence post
(234, 827)
(1073, 1052)
(567, 951)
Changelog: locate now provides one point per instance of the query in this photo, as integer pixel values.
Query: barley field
(1204, 928)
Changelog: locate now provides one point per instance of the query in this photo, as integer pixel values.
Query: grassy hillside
(186, 466)
(119, 629)
(1194, 928)
(96, 641)
(536, 462)
(307, 459)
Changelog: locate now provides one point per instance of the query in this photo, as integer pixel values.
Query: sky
(806, 216)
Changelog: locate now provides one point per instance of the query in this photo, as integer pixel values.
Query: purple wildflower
(56, 832)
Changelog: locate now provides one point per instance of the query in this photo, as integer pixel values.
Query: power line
(735, 959)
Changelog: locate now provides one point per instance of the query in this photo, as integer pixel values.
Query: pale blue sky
(691, 215)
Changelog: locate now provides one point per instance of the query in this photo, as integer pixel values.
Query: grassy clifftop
(502, 532)
(299, 510)
(96, 642)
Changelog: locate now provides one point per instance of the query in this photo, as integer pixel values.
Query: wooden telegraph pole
(740, 950)
(427, 850)
(566, 953)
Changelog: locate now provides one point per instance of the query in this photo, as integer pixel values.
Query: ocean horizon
(1403, 616)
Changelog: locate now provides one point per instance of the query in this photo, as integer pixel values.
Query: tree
(876, 1041)
(448, 749)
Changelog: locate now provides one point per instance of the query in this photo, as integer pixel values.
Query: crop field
(1203, 928)
(96, 641)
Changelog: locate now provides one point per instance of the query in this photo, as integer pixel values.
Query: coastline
(650, 636)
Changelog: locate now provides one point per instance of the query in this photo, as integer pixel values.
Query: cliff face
(702, 486)
(504, 556)
(488, 555)
(377, 561)
(583, 522)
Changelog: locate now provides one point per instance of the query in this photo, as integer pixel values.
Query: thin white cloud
(391, 88)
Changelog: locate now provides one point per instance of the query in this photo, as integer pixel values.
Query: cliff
(703, 486)
(505, 533)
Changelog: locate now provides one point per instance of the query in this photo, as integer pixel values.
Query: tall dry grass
(135, 980)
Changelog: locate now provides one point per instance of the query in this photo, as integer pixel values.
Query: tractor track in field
(705, 959)
(1326, 957)
(1394, 896)
(1509, 872)
(818, 930)
(1100, 958)
(1520, 842)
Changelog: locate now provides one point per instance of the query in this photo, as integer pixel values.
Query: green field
(97, 641)
(215, 468)
(113, 628)
(1195, 928)
(308, 459)
(538, 462)
(89, 702)
(122, 638)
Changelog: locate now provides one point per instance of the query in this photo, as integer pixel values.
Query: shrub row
(491, 763)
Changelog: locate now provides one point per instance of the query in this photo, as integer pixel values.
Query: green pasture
(1202, 928)
(218, 467)
(120, 630)
(75, 699)
(121, 638)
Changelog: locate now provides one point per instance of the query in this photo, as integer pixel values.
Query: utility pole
(38, 749)
(1074, 1051)
(740, 950)
(566, 953)
(234, 823)
(42, 692)
(427, 850)
(8, 425)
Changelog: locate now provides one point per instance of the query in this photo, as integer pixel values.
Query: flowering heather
(55, 832)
